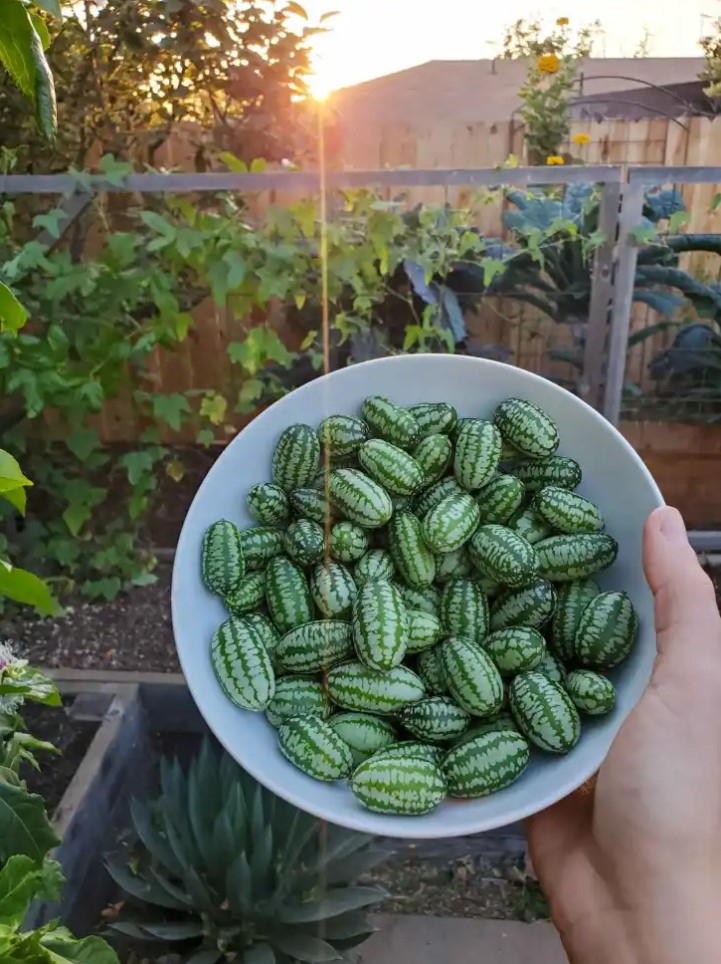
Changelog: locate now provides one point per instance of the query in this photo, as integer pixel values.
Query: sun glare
(319, 87)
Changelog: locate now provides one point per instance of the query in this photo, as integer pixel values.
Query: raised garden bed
(140, 717)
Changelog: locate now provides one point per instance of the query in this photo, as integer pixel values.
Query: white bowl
(614, 477)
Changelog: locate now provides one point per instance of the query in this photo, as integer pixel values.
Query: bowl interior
(614, 478)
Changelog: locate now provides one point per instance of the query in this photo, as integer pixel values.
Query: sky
(370, 38)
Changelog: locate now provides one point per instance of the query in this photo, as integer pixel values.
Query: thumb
(687, 617)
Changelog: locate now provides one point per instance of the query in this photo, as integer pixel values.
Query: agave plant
(225, 871)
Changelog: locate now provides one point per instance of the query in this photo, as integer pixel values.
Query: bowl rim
(368, 821)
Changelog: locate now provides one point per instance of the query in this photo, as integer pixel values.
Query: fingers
(687, 617)
(556, 832)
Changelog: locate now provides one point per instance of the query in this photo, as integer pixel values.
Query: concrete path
(451, 940)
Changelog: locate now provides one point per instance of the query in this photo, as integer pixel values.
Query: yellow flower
(548, 63)
(554, 159)
(581, 139)
(562, 22)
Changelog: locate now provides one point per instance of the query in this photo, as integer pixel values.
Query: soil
(70, 737)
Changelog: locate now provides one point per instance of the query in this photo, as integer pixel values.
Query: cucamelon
(573, 597)
(434, 495)
(314, 747)
(375, 564)
(364, 733)
(567, 511)
(396, 470)
(451, 523)
(544, 712)
(431, 672)
(380, 625)
(314, 646)
(485, 764)
(464, 610)
(357, 687)
(591, 693)
(527, 427)
(241, 664)
(552, 667)
(501, 723)
(222, 560)
(557, 470)
(297, 696)
(434, 454)
(268, 504)
(333, 590)
(533, 605)
(287, 594)
(296, 457)
(478, 453)
(500, 498)
(403, 785)
(408, 749)
(606, 631)
(304, 542)
(348, 542)
(503, 555)
(359, 498)
(436, 719)
(434, 418)
(413, 560)
(453, 565)
(260, 544)
(310, 504)
(248, 595)
(391, 422)
(528, 524)
(471, 676)
(568, 558)
(427, 600)
(424, 631)
(343, 435)
(516, 649)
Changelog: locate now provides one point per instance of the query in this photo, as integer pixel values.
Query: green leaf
(41, 29)
(51, 221)
(233, 163)
(22, 55)
(677, 219)
(63, 948)
(205, 437)
(19, 882)
(158, 223)
(295, 9)
(303, 947)
(82, 442)
(137, 465)
(11, 475)
(236, 269)
(24, 825)
(25, 587)
(17, 498)
(335, 902)
(260, 954)
(171, 408)
(12, 314)
(144, 890)
(75, 516)
(20, 679)
(214, 407)
(258, 165)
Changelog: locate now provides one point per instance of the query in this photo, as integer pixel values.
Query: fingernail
(672, 525)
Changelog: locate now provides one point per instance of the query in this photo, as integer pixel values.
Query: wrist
(676, 921)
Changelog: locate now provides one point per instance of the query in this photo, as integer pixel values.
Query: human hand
(632, 868)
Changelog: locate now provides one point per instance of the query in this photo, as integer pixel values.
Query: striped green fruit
(260, 544)
(567, 511)
(503, 555)
(431, 672)
(408, 749)
(410, 786)
(434, 454)
(528, 524)
(365, 734)
(241, 664)
(269, 635)
(333, 590)
(568, 558)
(434, 418)
(606, 632)
(573, 597)
(435, 494)
(222, 561)
(376, 564)
(268, 504)
(380, 625)
(451, 524)
(501, 723)
(319, 482)
(424, 631)
(487, 585)
(544, 712)
(296, 457)
(414, 561)
(453, 565)
(314, 747)
(472, 678)
(287, 594)
(297, 696)
(247, 596)
(533, 605)
(304, 542)
(552, 667)
(402, 503)
(527, 427)
(343, 435)
(556, 470)
(500, 498)
(509, 453)
(426, 600)
(464, 610)
(516, 649)
(591, 693)
(310, 504)
(314, 646)
(478, 453)
(359, 498)
(396, 470)
(436, 719)
(460, 423)
(348, 542)
(391, 422)
(485, 764)
(357, 687)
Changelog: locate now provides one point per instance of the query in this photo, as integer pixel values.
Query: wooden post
(631, 212)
